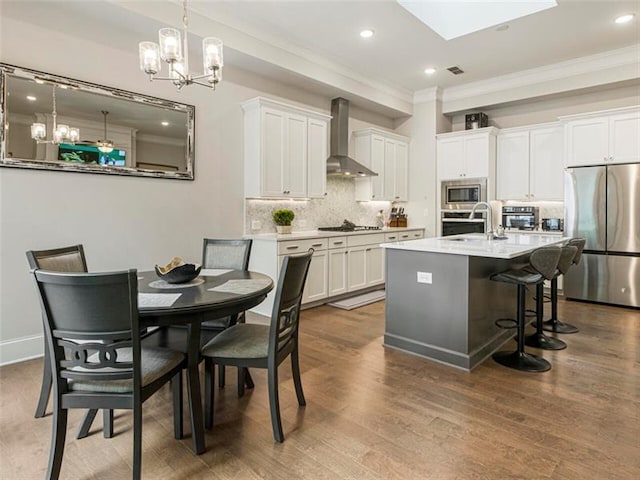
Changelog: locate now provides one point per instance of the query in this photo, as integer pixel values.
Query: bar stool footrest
(522, 361)
(506, 323)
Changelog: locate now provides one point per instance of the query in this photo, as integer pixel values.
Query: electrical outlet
(425, 277)
(256, 225)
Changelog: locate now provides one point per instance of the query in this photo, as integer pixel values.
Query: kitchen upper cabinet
(466, 154)
(599, 138)
(529, 163)
(285, 150)
(387, 154)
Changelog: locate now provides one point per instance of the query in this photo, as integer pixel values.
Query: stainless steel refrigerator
(603, 205)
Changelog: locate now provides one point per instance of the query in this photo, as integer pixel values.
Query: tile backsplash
(339, 204)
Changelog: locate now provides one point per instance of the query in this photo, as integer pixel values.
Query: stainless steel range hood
(339, 161)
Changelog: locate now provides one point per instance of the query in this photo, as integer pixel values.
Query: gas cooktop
(346, 228)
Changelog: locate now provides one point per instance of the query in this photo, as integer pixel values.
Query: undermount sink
(463, 240)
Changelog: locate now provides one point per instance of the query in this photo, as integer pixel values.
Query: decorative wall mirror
(56, 123)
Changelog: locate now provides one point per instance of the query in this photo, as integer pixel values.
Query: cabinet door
(317, 158)
(316, 285)
(356, 268)
(512, 167)
(375, 265)
(337, 271)
(450, 158)
(546, 168)
(295, 166)
(624, 137)
(587, 141)
(273, 153)
(476, 156)
(402, 171)
(389, 178)
(377, 165)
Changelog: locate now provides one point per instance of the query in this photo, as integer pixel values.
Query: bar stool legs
(520, 360)
(539, 339)
(553, 324)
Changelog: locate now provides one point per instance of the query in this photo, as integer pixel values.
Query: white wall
(123, 222)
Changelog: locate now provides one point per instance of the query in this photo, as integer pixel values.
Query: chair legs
(58, 436)
(137, 442)
(553, 324)
(45, 388)
(274, 404)
(221, 376)
(295, 369)
(520, 360)
(208, 392)
(176, 391)
(539, 339)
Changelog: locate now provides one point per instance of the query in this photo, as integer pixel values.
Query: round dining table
(196, 303)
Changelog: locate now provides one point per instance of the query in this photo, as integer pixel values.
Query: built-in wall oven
(458, 222)
(463, 194)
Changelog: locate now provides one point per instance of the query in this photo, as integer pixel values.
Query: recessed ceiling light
(626, 18)
(366, 33)
(31, 98)
(165, 124)
(430, 71)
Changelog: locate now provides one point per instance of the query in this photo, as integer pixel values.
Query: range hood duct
(339, 161)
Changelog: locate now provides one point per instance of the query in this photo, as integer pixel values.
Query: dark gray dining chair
(92, 328)
(247, 345)
(64, 259)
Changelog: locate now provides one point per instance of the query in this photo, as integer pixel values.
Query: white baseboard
(21, 349)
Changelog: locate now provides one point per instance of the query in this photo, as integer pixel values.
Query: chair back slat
(224, 253)
(91, 322)
(545, 261)
(286, 308)
(65, 259)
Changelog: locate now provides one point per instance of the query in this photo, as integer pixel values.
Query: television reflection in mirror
(147, 136)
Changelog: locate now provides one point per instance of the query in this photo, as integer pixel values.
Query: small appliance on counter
(552, 224)
(397, 218)
(520, 218)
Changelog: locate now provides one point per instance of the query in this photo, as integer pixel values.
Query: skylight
(455, 18)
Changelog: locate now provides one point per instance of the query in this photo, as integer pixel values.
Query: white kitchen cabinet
(285, 150)
(598, 138)
(387, 154)
(466, 154)
(374, 255)
(317, 286)
(337, 271)
(529, 163)
(356, 268)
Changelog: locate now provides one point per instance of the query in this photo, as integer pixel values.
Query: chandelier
(61, 133)
(175, 51)
(104, 145)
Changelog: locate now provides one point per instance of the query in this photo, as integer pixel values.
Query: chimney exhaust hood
(339, 161)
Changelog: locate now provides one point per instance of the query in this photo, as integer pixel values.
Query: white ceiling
(403, 47)
(316, 45)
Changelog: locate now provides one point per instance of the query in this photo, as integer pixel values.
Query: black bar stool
(539, 339)
(542, 265)
(553, 324)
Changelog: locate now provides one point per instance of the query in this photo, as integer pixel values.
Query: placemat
(165, 285)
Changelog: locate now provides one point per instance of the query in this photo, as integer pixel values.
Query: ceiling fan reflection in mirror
(104, 145)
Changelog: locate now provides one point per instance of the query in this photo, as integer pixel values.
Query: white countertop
(323, 234)
(476, 245)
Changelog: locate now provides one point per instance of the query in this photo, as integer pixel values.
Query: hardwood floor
(376, 414)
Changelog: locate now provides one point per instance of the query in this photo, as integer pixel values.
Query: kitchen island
(440, 302)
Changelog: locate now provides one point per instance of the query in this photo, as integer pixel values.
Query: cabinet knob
(532, 195)
(397, 198)
(325, 194)
(368, 250)
(373, 196)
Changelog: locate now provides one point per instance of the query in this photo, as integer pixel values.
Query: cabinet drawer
(413, 234)
(301, 246)
(370, 239)
(337, 242)
(392, 237)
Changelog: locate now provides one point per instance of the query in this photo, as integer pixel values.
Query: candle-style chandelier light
(175, 51)
(61, 133)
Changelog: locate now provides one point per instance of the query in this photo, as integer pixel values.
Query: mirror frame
(25, 73)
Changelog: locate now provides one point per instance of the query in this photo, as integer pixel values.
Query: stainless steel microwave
(463, 194)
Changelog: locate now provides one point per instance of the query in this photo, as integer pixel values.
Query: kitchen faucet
(488, 223)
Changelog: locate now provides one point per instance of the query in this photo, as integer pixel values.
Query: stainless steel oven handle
(463, 220)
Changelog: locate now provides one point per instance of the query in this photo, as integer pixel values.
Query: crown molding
(622, 57)
(427, 95)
